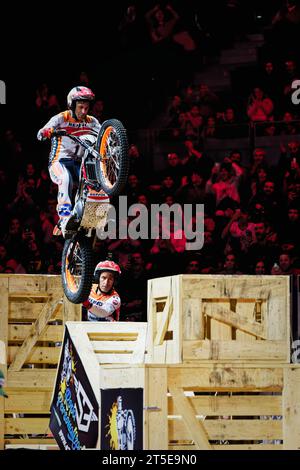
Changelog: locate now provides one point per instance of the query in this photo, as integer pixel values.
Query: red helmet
(79, 93)
(106, 265)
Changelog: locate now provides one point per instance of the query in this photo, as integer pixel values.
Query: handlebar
(64, 133)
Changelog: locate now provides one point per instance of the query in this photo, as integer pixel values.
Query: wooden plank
(156, 409)
(115, 376)
(38, 379)
(20, 284)
(160, 286)
(4, 309)
(114, 358)
(33, 441)
(235, 350)
(227, 316)
(218, 378)
(163, 321)
(112, 336)
(214, 286)
(208, 287)
(30, 295)
(22, 311)
(52, 333)
(2, 354)
(71, 312)
(278, 310)
(33, 446)
(261, 446)
(2, 410)
(47, 312)
(194, 427)
(38, 355)
(247, 311)
(291, 408)
(24, 401)
(218, 330)
(114, 346)
(3, 369)
(192, 319)
(229, 429)
(170, 348)
(27, 426)
(233, 405)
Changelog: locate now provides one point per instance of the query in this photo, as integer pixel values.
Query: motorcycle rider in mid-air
(65, 155)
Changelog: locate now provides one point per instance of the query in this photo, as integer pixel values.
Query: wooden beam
(236, 320)
(2, 404)
(28, 401)
(37, 355)
(27, 426)
(37, 379)
(194, 427)
(164, 322)
(25, 311)
(228, 429)
(291, 408)
(235, 351)
(34, 441)
(2, 426)
(53, 333)
(226, 378)
(233, 405)
(156, 412)
(71, 312)
(49, 310)
(4, 309)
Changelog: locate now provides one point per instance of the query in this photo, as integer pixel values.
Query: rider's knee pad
(64, 210)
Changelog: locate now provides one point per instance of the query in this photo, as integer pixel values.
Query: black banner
(122, 419)
(74, 409)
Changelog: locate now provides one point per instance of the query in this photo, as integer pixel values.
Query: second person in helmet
(104, 302)
(64, 158)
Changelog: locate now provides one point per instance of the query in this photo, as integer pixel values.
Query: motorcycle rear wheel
(112, 144)
(77, 269)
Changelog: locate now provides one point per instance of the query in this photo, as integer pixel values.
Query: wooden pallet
(33, 311)
(214, 317)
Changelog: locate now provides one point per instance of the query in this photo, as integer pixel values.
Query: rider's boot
(64, 213)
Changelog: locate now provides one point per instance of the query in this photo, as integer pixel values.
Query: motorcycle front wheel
(77, 269)
(112, 169)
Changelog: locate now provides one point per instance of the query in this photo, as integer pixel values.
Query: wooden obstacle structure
(197, 405)
(212, 363)
(215, 406)
(33, 311)
(215, 317)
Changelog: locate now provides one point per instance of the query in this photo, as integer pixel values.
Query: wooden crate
(33, 311)
(94, 344)
(214, 317)
(216, 406)
(197, 405)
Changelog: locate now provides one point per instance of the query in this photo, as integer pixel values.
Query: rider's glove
(46, 133)
(87, 304)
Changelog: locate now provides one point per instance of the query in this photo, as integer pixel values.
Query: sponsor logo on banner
(74, 409)
(122, 419)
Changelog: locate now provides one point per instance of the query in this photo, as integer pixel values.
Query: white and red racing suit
(103, 307)
(65, 154)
